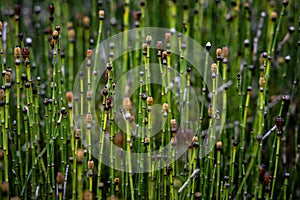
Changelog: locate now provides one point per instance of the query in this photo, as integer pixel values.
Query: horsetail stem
(79, 159)
(232, 162)
(90, 174)
(147, 63)
(71, 34)
(208, 46)
(69, 98)
(286, 179)
(168, 63)
(126, 27)
(212, 179)
(279, 125)
(149, 130)
(173, 12)
(194, 163)
(127, 106)
(219, 149)
(101, 15)
(165, 109)
(63, 137)
(89, 118)
(17, 54)
(86, 31)
(1, 47)
(274, 39)
(8, 74)
(101, 141)
(74, 177)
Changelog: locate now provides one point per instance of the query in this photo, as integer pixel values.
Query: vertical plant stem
(218, 166)
(279, 125)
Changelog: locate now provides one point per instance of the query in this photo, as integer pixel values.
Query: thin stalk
(101, 146)
(25, 111)
(173, 13)
(74, 175)
(208, 46)
(187, 125)
(250, 166)
(64, 139)
(242, 137)
(284, 106)
(274, 39)
(212, 182)
(171, 183)
(151, 175)
(47, 137)
(242, 145)
(6, 127)
(164, 130)
(112, 156)
(31, 132)
(279, 124)
(182, 69)
(128, 157)
(37, 117)
(69, 98)
(81, 92)
(90, 177)
(232, 173)
(89, 135)
(218, 166)
(260, 190)
(213, 121)
(1, 51)
(79, 178)
(147, 66)
(140, 132)
(8, 74)
(285, 185)
(224, 81)
(19, 122)
(193, 163)
(71, 58)
(125, 37)
(100, 27)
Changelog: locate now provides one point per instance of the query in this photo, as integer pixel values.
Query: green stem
(278, 140)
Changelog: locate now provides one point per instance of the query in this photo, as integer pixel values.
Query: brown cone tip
(127, 104)
(168, 37)
(225, 52)
(219, 145)
(214, 68)
(219, 52)
(86, 21)
(89, 118)
(71, 33)
(80, 155)
(69, 96)
(173, 122)
(59, 178)
(91, 164)
(274, 16)
(17, 52)
(101, 14)
(149, 101)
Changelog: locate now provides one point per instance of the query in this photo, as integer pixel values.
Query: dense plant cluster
(244, 97)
